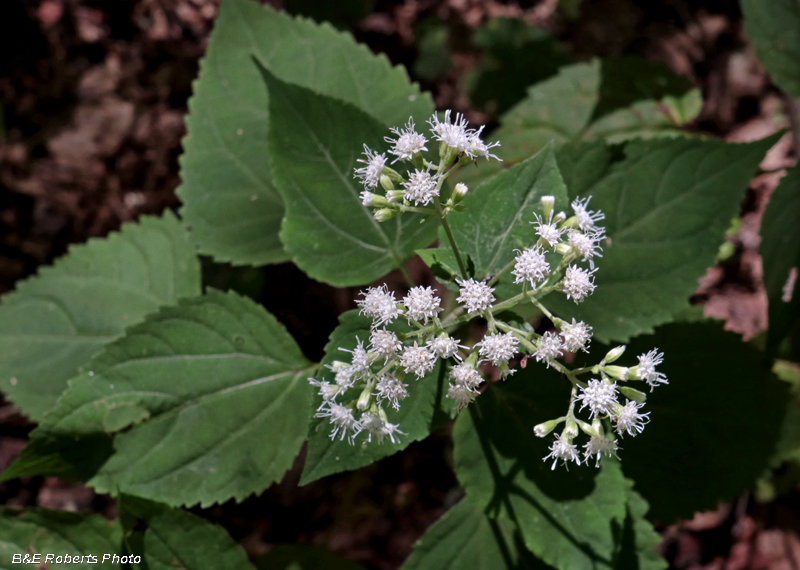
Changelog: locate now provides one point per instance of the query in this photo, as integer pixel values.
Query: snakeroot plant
(546, 337)
(358, 391)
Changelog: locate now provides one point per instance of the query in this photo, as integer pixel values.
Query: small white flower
(462, 395)
(599, 446)
(578, 283)
(549, 232)
(475, 295)
(586, 218)
(476, 147)
(498, 347)
(630, 420)
(550, 348)
(342, 419)
(376, 426)
(563, 450)
(370, 173)
(600, 396)
(420, 187)
(361, 359)
(531, 266)
(379, 304)
(455, 135)
(418, 359)
(445, 346)
(586, 244)
(391, 389)
(408, 142)
(345, 375)
(385, 343)
(647, 368)
(577, 336)
(466, 375)
(327, 390)
(421, 304)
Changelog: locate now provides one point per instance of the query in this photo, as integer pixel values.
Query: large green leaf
(773, 30)
(667, 206)
(178, 540)
(498, 212)
(326, 455)
(466, 538)
(569, 519)
(780, 252)
(602, 99)
(230, 200)
(314, 143)
(206, 401)
(54, 322)
(43, 532)
(721, 405)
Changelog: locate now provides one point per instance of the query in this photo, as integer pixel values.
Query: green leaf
(639, 538)
(314, 143)
(54, 322)
(667, 206)
(178, 540)
(780, 253)
(219, 390)
(304, 557)
(772, 27)
(498, 212)
(569, 519)
(327, 456)
(720, 390)
(615, 99)
(230, 199)
(466, 538)
(42, 531)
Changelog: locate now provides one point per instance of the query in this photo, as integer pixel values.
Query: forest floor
(93, 96)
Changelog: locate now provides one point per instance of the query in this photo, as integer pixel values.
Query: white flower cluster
(561, 258)
(422, 185)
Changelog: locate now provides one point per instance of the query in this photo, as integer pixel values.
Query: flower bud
(614, 354)
(570, 429)
(395, 196)
(618, 372)
(386, 183)
(459, 192)
(544, 428)
(633, 394)
(548, 203)
(385, 214)
(364, 398)
(563, 248)
(560, 217)
(587, 429)
(374, 200)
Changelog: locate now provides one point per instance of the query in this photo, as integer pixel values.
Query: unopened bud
(618, 372)
(459, 192)
(560, 217)
(586, 428)
(386, 183)
(385, 214)
(563, 248)
(395, 196)
(364, 398)
(373, 200)
(614, 354)
(544, 428)
(633, 394)
(570, 429)
(548, 203)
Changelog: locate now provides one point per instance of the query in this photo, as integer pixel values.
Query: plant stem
(406, 275)
(438, 205)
